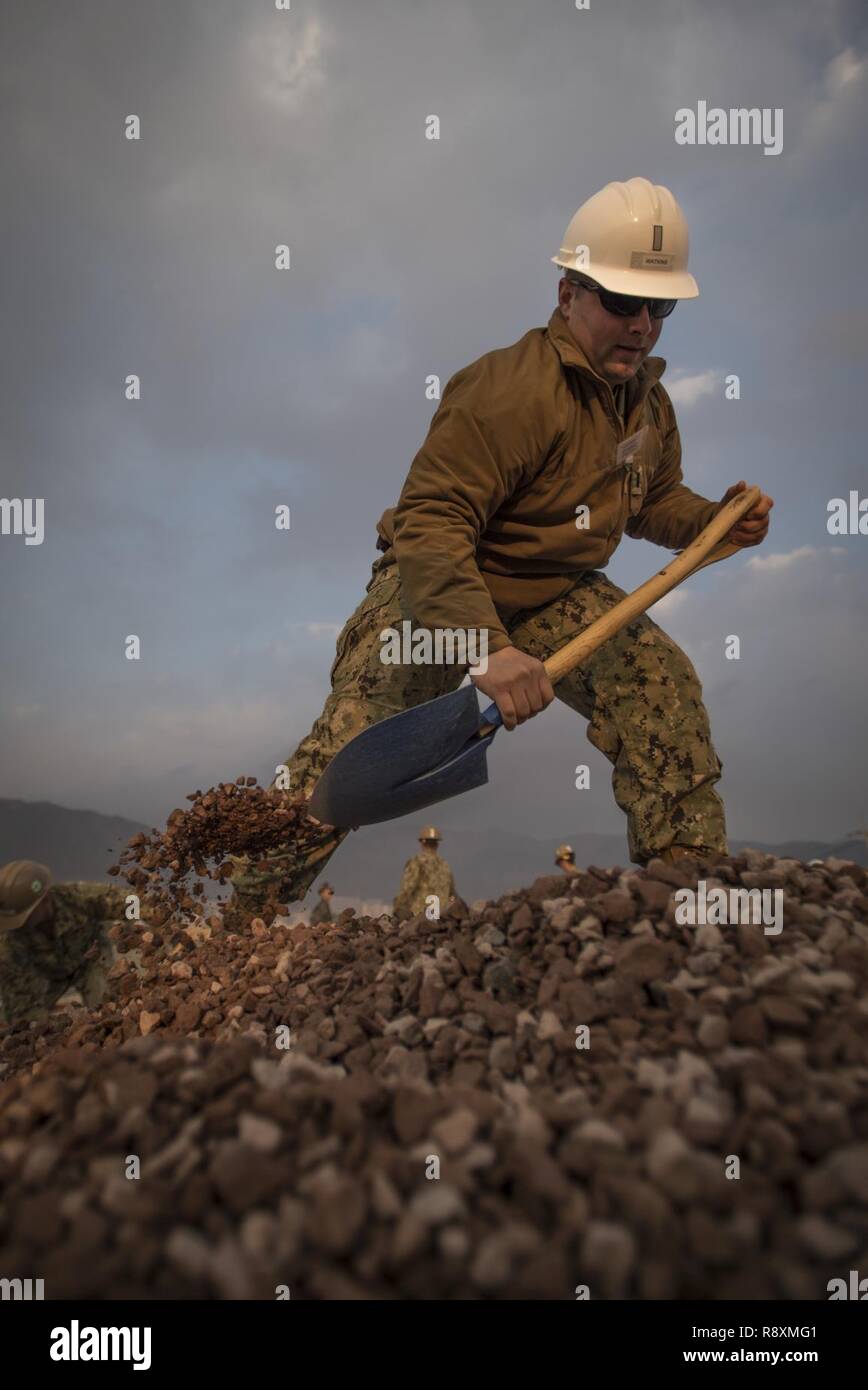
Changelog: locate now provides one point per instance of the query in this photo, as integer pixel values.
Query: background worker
(53, 938)
(322, 912)
(565, 858)
(425, 874)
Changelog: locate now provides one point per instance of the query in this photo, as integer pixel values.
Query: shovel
(437, 750)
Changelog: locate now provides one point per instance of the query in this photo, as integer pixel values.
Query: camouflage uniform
(424, 874)
(639, 692)
(39, 963)
(321, 913)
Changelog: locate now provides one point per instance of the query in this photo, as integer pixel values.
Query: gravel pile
(703, 1052)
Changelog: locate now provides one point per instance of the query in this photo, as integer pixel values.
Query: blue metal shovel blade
(413, 759)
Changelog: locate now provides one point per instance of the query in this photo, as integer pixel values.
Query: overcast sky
(307, 387)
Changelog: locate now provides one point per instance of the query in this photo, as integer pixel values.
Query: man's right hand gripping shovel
(517, 683)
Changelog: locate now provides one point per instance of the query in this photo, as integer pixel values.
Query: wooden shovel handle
(708, 547)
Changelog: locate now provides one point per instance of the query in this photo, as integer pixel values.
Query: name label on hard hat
(651, 260)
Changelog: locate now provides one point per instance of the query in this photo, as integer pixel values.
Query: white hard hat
(632, 239)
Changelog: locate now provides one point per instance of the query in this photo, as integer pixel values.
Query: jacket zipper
(632, 484)
(629, 481)
(632, 472)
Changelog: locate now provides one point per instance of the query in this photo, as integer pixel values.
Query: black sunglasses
(626, 306)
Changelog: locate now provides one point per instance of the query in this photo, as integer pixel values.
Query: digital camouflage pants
(40, 961)
(639, 692)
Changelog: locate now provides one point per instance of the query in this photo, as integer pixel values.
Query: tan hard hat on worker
(23, 886)
(564, 852)
(631, 238)
(430, 833)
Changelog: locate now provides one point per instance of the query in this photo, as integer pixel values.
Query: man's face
(615, 347)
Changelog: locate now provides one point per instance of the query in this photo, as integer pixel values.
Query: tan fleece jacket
(523, 439)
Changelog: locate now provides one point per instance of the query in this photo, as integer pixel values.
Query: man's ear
(566, 294)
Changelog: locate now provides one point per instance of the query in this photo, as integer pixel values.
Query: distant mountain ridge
(73, 844)
(486, 862)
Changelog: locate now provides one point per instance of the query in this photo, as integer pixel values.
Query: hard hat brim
(649, 284)
(10, 921)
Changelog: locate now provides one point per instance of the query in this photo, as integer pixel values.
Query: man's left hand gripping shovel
(437, 749)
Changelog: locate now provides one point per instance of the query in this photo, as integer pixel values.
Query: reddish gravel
(168, 868)
(559, 1166)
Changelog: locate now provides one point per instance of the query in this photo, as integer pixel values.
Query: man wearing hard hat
(322, 913)
(565, 859)
(53, 939)
(539, 459)
(424, 876)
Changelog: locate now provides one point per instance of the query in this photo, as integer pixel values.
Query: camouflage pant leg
(643, 699)
(27, 992)
(94, 980)
(364, 691)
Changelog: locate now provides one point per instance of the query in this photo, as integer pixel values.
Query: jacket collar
(571, 355)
